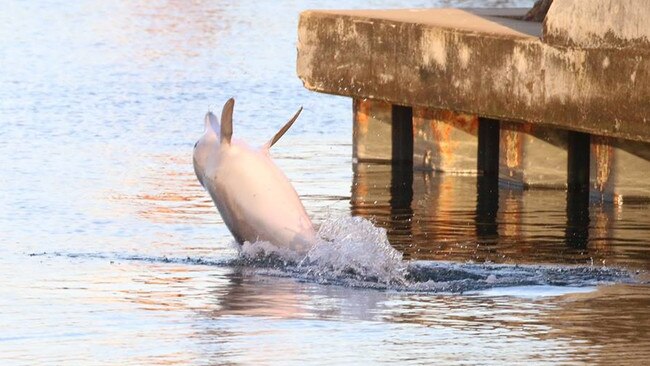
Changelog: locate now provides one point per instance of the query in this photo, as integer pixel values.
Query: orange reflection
(170, 195)
(612, 321)
(161, 29)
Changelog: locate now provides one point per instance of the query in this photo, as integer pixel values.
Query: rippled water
(111, 253)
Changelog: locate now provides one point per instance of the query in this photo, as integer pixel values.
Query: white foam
(261, 250)
(347, 247)
(354, 246)
(352, 251)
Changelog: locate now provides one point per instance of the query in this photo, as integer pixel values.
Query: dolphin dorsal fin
(283, 130)
(226, 121)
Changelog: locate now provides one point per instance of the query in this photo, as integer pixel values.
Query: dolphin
(255, 199)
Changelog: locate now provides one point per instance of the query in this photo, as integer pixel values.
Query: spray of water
(349, 248)
(352, 251)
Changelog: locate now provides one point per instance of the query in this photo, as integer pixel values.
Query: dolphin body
(255, 199)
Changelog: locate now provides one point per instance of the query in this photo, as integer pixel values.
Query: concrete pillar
(487, 185)
(619, 170)
(402, 137)
(371, 131)
(444, 141)
(532, 156)
(382, 133)
(577, 206)
(488, 147)
(578, 162)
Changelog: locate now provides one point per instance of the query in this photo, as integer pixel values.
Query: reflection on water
(594, 318)
(168, 195)
(101, 103)
(167, 313)
(462, 217)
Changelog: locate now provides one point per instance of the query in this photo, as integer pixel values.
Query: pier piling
(564, 105)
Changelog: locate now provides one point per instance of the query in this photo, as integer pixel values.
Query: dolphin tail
(283, 130)
(226, 121)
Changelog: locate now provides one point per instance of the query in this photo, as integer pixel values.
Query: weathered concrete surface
(532, 156)
(382, 132)
(598, 24)
(444, 141)
(618, 170)
(470, 61)
(371, 131)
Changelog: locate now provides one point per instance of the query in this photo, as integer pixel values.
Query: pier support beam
(382, 133)
(444, 141)
(371, 131)
(577, 206)
(619, 170)
(578, 162)
(402, 137)
(487, 184)
(532, 156)
(488, 147)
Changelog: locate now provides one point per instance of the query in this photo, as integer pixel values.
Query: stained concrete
(444, 141)
(618, 170)
(532, 156)
(371, 131)
(476, 62)
(382, 132)
(598, 24)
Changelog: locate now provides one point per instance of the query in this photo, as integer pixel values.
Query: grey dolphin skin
(255, 199)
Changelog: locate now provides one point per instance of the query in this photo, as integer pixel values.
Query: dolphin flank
(255, 199)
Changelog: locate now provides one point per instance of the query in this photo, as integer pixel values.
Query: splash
(348, 249)
(353, 246)
(352, 251)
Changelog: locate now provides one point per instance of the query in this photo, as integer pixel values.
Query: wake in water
(352, 251)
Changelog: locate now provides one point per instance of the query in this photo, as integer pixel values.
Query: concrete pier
(565, 105)
(444, 141)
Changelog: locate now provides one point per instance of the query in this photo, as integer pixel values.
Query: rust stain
(513, 149)
(526, 127)
(362, 114)
(446, 145)
(467, 123)
(439, 128)
(603, 154)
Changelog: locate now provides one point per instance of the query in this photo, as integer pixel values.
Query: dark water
(111, 253)
(434, 216)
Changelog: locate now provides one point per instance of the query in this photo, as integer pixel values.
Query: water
(113, 254)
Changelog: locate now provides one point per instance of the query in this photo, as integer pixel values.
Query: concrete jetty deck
(565, 105)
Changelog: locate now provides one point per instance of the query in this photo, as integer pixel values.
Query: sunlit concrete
(481, 62)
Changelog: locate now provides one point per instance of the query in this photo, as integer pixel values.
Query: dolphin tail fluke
(226, 121)
(283, 130)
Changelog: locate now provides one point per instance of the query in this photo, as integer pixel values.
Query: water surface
(111, 253)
